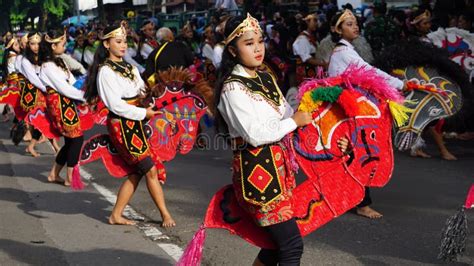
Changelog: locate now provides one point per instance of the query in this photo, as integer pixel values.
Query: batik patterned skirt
(129, 138)
(263, 182)
(31, 97)
(63, 114)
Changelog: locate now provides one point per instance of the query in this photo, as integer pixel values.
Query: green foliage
(19, 9)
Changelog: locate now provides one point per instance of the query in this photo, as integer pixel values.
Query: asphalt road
(422, 194)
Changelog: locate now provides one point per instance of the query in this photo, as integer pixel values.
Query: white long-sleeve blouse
(60, 80)
(113, 88)
(31, 72)
(345, 55)
(250, 116)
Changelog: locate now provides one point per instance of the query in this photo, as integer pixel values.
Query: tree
(20, 10)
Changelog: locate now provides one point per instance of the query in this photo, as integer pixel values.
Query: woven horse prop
(354, 105)
(181, 103)
(432, 96)
(460, 45)
(437, 87)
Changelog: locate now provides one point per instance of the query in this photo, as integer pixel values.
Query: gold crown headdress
(309, 17)
(249, 24)
(24, 38)
(423, 16)
(345, 15)
(56, 40)
(7, 36)
(35, 38)
(10, 43)
(119, 32)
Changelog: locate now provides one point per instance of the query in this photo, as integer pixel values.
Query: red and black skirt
(63, 114)
(30, 98)
(263, 182)
(129, 138)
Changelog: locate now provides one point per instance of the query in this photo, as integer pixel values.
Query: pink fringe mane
(361, 76)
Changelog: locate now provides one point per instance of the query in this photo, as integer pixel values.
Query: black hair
(6, 55)
(46, 51)
(28, 53)
(225, 69)
(101, 54)
(335, 37)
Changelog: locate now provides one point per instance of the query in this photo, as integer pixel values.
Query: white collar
(348, 44)
(239, 70)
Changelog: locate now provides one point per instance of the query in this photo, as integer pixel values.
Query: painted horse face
(428, 106)
(174, 130)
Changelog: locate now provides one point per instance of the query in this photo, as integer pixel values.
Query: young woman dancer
(33, 96)
(12, 49)
(347, 30)
(118, 84)
(252, 110)
(61, 107)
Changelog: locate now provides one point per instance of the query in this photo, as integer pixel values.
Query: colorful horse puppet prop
(432, 96)
(355, 105)
(182, 103)
(460, 45)
(436, 87)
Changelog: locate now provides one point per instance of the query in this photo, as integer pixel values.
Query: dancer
(421, 24)
(12, 49)
(32, 94)
(61, 107)
(118, 84)
(147, 39)
(305, 48)
(347, 30)
(251, 108)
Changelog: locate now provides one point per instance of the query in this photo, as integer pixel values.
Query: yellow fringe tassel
(399, 112)
(307, 103)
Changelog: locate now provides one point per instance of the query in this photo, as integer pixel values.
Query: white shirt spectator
(303, 48)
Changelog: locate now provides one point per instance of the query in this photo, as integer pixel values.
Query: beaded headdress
(423, 16)
(55, 40)
(119, 32)
(35, 38)
(345, 15)
(249, 24)
(10, 43)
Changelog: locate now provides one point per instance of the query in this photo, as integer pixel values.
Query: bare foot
(448, 156)
(168, 222)
(120, 221)
(368, 213)
(466, 136)
(67, 183)
(420, 153)
(32, 151)
(56, 179)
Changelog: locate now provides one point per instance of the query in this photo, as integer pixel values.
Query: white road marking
(148, 230)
